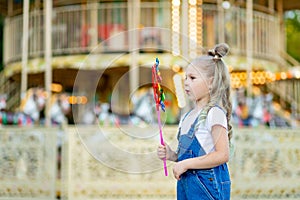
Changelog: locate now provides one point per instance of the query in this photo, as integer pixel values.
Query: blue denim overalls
(200, 184)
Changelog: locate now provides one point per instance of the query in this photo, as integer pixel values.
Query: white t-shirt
(215, 116)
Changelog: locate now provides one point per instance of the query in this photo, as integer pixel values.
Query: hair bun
(221, 49)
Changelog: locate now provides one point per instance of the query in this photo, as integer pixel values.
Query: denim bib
(195, 184)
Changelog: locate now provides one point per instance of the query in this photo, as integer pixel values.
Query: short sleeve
(216, 116)
(182, 118)
(180, 121)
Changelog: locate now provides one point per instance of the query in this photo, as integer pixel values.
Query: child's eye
(192, 77)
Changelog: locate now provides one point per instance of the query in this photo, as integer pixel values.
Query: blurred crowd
(255, 110)
(32, 109)
(247, 111)
(142, 111)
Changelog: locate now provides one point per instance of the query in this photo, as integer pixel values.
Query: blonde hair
(212, 66)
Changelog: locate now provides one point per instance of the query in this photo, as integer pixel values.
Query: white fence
(27, 163)
(120, 163)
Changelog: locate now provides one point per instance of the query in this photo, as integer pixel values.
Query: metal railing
(78, 28)
(11, 90)
(289, 98)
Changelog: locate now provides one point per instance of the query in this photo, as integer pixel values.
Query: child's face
(196, 84)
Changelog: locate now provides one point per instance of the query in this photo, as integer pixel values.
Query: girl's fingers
(161, 152)
(162, 148)
(176, 175)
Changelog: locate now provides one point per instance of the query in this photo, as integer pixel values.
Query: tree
(1, 41)
(292, 24)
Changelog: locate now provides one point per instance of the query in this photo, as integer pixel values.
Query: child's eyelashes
(190, 77)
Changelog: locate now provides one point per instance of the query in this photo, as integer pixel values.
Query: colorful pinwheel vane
(159, 98)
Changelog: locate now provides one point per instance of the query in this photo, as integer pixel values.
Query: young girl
(204, 132)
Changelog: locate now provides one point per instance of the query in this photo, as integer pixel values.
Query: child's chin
(191, 98)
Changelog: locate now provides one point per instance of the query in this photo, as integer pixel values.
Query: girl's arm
(213, 159)
(164, 151)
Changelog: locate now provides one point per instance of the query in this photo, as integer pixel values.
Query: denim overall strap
(188, 146)
(179, 130)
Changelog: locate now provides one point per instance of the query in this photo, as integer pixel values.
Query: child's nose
(185, 82)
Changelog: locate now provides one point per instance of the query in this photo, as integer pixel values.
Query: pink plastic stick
(161, 137)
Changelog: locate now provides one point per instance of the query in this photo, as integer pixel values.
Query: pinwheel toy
(159, 98)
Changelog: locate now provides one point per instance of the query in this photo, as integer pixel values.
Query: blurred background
(75, 75)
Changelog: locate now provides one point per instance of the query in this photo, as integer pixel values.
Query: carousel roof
(18, 4)
(95, 62)
(291, 4)
(103, 62)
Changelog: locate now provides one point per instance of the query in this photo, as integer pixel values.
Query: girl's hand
(164, 152)
(178, 169)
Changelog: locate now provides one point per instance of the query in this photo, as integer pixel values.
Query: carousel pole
(133, 21)
(48, 78)
(221, 21)
(24, 48)
(249, 44)
(48, 57)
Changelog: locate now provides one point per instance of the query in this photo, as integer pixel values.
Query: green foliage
(292, 24)
(1, 41)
